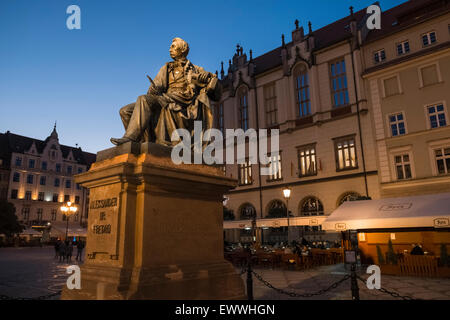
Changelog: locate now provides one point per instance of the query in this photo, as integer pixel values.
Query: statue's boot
(119, 141)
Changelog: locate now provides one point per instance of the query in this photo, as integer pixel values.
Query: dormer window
(402, 47)
(379, 56)
(428, 38)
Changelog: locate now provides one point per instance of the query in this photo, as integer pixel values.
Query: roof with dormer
(10, 142)
(392, 20)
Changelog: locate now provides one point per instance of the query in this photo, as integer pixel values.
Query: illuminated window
(345, 151)
(311, 207)
(245, 173)
(307, 165)
(275, 167)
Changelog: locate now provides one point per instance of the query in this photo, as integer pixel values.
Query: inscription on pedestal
(103, 222)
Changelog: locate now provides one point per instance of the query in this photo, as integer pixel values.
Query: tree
(444, 261)
(9, 225)
(380, 255)
(391, 257)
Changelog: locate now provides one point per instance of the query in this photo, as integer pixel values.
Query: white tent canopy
(405, 212)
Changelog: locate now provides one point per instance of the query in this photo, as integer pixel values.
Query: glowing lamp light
(287, 193)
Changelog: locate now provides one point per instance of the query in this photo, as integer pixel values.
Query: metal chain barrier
(44, 297)
(386, 291)
(301, 295)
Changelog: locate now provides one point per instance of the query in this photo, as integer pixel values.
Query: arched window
(276, 209)
(302, 96)
(311, 206)
(247, 211)
(243, 108)
(348, 196)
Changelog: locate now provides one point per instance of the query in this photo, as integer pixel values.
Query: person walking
(62, 251)
(57, 244)
(69, 251)
(80, 247)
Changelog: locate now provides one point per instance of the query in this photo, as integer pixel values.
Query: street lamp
(287, 195)
(68, 210)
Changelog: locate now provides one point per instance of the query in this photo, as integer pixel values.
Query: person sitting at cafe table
(417, 250)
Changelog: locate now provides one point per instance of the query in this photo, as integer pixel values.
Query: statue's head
(179, 48)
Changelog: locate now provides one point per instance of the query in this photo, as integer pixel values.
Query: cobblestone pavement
(313, 280)
(32, 272)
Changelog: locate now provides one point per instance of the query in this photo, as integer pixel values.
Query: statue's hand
(203, 77)
(153, 90)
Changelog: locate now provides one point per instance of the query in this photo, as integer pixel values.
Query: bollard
(249, 277)
(354, 283)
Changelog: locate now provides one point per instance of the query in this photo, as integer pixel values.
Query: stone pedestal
(154, 229)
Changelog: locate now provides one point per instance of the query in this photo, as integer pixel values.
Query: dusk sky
(81, 78)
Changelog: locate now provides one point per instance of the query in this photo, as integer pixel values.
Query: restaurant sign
(441, 222)
(395, 206)
(340, 226)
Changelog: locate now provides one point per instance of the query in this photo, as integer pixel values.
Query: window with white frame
(428, 38)
(442, 158)
(402, 47)
(397, 124)
(436, 116)
(402, 166)
(245, 173)
(379, 56)
(275, 167)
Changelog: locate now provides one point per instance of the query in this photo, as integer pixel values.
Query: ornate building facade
(320, 91)
(407, 79)
(41, 178)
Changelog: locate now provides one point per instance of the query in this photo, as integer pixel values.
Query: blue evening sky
(81, 78)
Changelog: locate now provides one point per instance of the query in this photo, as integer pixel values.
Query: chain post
(354, 283)
(249, 276)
